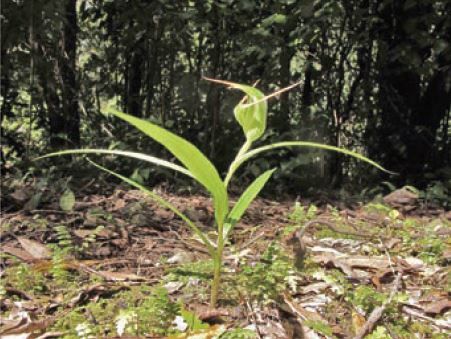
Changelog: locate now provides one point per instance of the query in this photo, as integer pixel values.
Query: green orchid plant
(251, 114)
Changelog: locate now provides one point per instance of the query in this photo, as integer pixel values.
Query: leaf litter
(353, 271)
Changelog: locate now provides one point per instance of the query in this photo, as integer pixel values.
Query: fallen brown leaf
(25, 325)
(82, 233)
(20, 195)
(437, 307)
(117, 276)
(18, 253)
(118, 204)
(358, 321)
(402, 196)
(35, 249)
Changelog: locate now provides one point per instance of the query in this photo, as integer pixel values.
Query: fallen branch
(442, 324)
(332, 227)
(379, 311)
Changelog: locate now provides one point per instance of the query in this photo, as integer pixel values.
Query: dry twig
(379, 311)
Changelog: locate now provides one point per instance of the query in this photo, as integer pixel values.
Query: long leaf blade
(189, 155)
(245, 200)
(282, 144)
(163, 203)
(136, 155)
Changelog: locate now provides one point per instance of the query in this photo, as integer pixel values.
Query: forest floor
(118, 265)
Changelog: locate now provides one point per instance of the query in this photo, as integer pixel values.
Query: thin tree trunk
(134, 102)
(152, 66)
(213, 97)
(69, 75)
(283, 116)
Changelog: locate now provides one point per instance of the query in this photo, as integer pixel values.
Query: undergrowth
(261, 280)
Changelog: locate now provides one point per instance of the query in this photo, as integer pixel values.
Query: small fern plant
(251, 114)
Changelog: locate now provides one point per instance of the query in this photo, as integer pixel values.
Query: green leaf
(67, 200)
(252, 118)
(137, 177)
(139, 156)
(163, 203)
(34, 202)
(189, 155)
(259, 150)
(317, 66)
(274, 18)
(192, 320)
(245, 200)
(251, 115)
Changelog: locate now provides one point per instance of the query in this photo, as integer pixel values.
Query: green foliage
(352, 80)
(139, 311)
(90, 239)
(64, 239)
(192, 321)
(303, 214)
(299, 216)
(267, 279)
(189, 155)
(437, 192)
(251, 115)
(158, 311)
(378, 208)
(66, 244)
(336, 278)
(58, 268)
(24, 278)
(202, 270)
(67, 200)
(252, 118)
(320, 327)
(244, 201)
(366, 298)
(2, 290)
(380, 332)
(429, 246)
(239, 333)
(426, 331)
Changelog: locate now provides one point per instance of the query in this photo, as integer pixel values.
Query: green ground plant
(299, 216)
(24, 278)
(139, 311)
(251, 114)
(265, 280)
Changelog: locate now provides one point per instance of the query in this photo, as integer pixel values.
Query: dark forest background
(375, 78)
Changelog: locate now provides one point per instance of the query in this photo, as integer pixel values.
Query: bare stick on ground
(379, 311)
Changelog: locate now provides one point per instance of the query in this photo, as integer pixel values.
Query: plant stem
(217, 263)
(216, 280)
(217, 258)
(236, 162)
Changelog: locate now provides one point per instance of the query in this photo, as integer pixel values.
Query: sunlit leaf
(163, 203)
(136, 155)
(270, 147)
(67, 200)
(245, 200)
(189, 155)
(252, 112)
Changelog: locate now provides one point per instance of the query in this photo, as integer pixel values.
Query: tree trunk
(213, 96)
(152, 65)
(281, 120)
(134, 102)
(69, 75)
